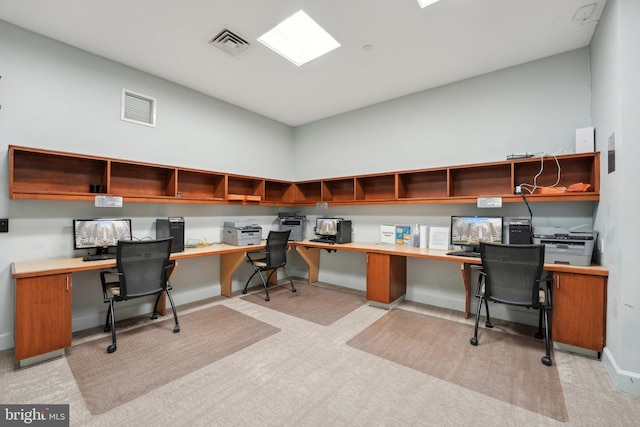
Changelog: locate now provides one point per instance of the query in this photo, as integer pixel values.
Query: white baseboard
(6, 341)
(622, 380)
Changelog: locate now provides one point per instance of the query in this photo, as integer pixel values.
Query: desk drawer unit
(579, 310)
(386, 277)
(43, 315)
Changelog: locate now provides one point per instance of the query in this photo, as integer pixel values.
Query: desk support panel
(229, 262)
(312, 257)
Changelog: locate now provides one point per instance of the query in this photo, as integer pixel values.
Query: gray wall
(58, 97)
(61, 98)
(534, 107)
(616, 93)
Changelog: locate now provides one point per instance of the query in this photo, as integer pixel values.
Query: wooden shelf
(278, 191)
(307, 192)
(245, 188)
(139, 180)
(42, 173)
(200, 185)
(422, 185)
(338, 190)
(45, 174)
(491, 180)
(376, 187)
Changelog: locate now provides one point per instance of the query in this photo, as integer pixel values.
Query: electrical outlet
(518, 189)
(4, 225)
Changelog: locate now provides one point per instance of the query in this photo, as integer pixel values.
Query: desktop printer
(241, 233)
(565, 247)
(294, 222)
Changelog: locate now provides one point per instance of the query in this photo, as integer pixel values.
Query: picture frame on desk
(439, 238)
(388, 234)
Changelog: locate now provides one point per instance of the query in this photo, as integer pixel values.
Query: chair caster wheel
(111, 348)
(107, 328)
(266, 298)
(546, 360)
(538, 336)
(244, 291)
(474, 341)
(488, 325)
(154, 316)
(294, 290)
(176, 328)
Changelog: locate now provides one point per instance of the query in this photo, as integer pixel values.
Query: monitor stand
(101, 253)
(324, 239)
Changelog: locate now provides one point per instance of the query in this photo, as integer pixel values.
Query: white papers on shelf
(423, 236)
(439, 238)
(388, 234)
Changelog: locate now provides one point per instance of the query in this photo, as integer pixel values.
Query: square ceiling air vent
(229, 42)
(138, 108)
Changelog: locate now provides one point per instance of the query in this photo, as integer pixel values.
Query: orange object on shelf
(578, 187)
(552, 190)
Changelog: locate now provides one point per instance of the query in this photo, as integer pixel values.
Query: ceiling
(390, 48)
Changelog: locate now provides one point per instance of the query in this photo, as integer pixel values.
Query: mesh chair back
(143, 266)
(512, 273)
(277, 248)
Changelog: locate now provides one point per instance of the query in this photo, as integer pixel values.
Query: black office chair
(273, 257)
(142, 269)
(511, 274)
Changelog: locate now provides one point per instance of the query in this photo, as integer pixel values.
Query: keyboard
(465, 253)
(99, 257)
(329, 241)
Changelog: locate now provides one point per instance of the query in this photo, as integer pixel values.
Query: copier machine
(565, 247)
(294, 222)
(241, 233)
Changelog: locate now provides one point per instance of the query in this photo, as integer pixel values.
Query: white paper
(439, 238)
(423, 236)
(388, 234)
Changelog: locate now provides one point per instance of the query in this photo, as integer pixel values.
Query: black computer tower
(171, 227)
(520, 231)
(344, 231)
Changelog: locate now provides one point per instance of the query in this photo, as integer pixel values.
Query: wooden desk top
(48, 267)
(45, 267)
(410, 251)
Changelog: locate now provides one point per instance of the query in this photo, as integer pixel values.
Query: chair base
(110, 324)
(543, 322)
(265, 281)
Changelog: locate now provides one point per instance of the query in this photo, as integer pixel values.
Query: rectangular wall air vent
(138, 108)
(229, 42)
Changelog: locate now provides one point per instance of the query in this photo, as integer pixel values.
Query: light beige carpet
(503, 366)
(153, 355)
(314, 303)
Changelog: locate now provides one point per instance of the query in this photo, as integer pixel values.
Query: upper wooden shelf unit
(45, 174)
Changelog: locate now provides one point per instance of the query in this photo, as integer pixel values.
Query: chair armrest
(103, 280)
(481, 278)
(549, 289)
(256, 255)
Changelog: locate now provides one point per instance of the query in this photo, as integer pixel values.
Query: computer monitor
(100, 234)
(327, 226)
(469, 231)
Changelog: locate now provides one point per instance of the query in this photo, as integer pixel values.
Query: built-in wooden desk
(579, 294)
(44, 289)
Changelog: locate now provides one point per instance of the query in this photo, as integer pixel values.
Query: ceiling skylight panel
(299, 39)
(425, 3)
